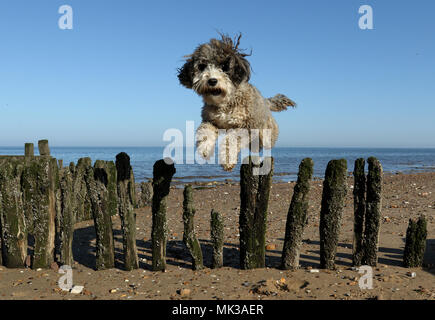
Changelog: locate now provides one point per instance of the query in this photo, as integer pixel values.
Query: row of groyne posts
(40, 197)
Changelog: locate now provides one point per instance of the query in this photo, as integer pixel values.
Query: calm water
(286, 160)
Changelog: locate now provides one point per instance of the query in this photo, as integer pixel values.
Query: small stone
(77, 289)
(112, 291)
(184, 292)
(54, 266)
(271, 246)
(39, 269)
(87, 293)
(411, 274)
(314, 271)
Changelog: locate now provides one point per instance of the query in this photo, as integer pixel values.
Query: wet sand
(404, 196)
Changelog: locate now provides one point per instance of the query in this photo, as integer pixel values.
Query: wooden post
(254, 199)
(29, 150)
(189, 237)
(373, 212)
(217, 239)
(146, 193)
(297, 216)
(96, 181)
(40, 182)
(12, 220)
(359, 205)
(43, 147)
(84, 211)
(334, 192)
(415, 244)
(67, 217)
(112, 186)
(126, 192)
(1, 232)
(162, 176)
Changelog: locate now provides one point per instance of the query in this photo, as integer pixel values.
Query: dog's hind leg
(206, 136)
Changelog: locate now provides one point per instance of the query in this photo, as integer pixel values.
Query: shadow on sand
(177, 254)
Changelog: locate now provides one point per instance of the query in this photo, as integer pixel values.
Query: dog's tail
(280, 103)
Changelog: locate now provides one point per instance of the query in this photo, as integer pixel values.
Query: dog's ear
(185, 74)
(241, 70)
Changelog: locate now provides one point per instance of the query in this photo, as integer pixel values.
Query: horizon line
(276, 147)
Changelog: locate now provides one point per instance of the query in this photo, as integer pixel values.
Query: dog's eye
(202, 66)
(226, 66)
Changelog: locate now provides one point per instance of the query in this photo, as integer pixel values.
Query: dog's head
(215, 69)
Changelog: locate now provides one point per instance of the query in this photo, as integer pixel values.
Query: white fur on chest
(226, 119)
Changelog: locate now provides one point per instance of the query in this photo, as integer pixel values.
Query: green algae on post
(189, 237)
(297, 216)
(162, 177)
(334, 192)
(126, 194)
(254, 201)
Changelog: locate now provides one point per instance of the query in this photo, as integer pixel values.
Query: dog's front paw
(228, 167)
(205, 148)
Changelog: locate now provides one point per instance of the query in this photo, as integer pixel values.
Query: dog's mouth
(213, 91)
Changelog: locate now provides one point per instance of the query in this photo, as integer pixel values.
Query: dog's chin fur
(232, 103)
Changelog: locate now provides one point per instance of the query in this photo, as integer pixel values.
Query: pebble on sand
(184, 292)
(77, 289)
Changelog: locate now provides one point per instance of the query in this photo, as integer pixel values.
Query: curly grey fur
(219, 72)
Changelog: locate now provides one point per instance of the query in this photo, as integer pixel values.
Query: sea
(393, 160)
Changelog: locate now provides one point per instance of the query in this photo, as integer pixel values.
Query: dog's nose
(212, 82)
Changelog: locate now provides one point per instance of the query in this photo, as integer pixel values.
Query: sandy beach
(404, 196)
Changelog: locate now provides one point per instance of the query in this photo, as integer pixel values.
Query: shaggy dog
(219, 72)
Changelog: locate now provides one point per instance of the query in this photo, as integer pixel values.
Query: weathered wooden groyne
(41, 198)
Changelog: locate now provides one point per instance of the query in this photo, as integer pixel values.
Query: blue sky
(111, 81)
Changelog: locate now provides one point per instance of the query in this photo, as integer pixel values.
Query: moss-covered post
(146, 193)
(373, 212)
(254, 200)
(297, 216)
(112, 186)
(162, 177)
(67, 217)
(334, 192)
(126, 191)
(1, 241)
(217, 239)
(189, 237)
(40, 183)
(12, 220)
(83, 201)
(44, 149)
(29, 150)
(415, 244)
(359, 207)
(96, 181)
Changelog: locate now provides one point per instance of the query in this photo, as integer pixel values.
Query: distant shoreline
(211, 181)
